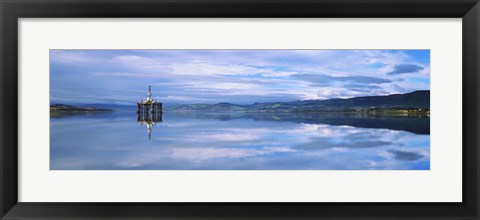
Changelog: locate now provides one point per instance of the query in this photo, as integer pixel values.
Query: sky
(234, 76)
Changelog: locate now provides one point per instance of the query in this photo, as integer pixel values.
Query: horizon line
(199, 103)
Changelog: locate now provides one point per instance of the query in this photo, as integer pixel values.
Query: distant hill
(71, 108)
(109, 106)
(208, 107)
(409, 101)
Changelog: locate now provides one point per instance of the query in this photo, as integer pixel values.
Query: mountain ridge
(419, 99)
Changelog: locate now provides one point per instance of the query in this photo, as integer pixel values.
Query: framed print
(223, 109)
(204, 131)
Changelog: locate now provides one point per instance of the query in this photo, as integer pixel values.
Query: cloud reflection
(406, 156)
(182, 143)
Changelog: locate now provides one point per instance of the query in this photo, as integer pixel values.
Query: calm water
(239, 141)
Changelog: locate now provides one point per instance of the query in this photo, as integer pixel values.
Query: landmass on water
(71, 108)
(417, 102)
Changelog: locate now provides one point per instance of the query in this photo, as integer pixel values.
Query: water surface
(239, 141)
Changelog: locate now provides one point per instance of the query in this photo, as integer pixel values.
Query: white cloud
(206, 75)
(70, 57)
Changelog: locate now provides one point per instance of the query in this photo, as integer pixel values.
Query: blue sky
(235, 76)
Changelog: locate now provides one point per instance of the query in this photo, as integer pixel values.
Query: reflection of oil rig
(149, 112)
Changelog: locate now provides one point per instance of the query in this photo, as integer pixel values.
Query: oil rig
(149, 112)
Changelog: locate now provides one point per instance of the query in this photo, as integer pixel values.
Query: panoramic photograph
(239, 109)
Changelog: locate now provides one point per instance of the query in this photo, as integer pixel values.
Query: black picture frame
(12, 10)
